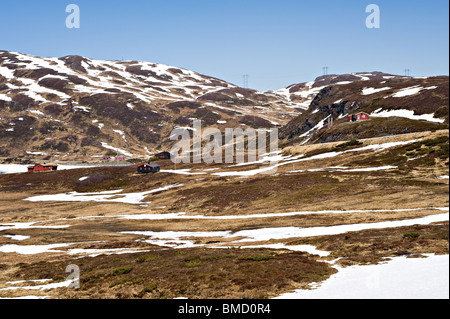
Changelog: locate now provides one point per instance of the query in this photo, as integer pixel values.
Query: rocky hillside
(303, 94)
(75, 108)
(78, 108)
(395, 104)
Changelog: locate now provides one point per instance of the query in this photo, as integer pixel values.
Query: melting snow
(105, 145)
(4, 97)
(66, 283)
(187, 239)
(37, 112)
(369, 91)
(296, 232)
(171, 216)
(36, 153)
(272, 168)
(28, 225)
(181, 172)
(12, 168)
(399, 278)
(107, 196)
(121, 133)
(7, 73)
(406, 114)
(346, 169)
(412, 91)
(319, 126)
(17, 237)
(82, 108)
(31, 249)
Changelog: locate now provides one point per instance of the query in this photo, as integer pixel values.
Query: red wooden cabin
(361, 116)
(42, 168)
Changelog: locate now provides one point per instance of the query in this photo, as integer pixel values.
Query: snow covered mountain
(303, 94)
(394, 104)
(75, 107)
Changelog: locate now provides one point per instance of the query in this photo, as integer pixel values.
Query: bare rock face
(74, 62)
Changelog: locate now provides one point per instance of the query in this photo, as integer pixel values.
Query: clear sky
(276, 42)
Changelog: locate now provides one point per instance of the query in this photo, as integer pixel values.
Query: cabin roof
(45, 164)
(148, 164)
(163, 153)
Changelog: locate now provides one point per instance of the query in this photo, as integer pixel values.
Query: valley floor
(300, 228)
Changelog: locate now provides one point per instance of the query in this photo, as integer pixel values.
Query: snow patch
(406, 114)
(17, 237)
(121, 133)
(369, 91)
(108, 196)
(105, 145)
(412, 91)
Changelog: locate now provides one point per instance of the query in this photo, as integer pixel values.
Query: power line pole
(407, 72)
(325, 70)
(245, 76)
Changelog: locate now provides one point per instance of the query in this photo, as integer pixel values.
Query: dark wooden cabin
(148, 168)
(163, 156)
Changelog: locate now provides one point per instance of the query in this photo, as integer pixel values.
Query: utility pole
(325, 70)
(245, 76)
(407, 72)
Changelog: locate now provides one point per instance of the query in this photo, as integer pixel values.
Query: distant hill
(76, 108)
(395, 104)
(80, 109)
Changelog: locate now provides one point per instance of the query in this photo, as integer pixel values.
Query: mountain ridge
(76, 108)
(83, 104)
(395, 105)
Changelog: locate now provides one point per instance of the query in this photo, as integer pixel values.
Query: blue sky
(276, 42)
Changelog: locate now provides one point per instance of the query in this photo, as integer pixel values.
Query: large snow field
(399, 278)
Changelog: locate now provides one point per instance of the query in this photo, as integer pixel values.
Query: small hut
(42, 168)
(148, 168)
(361, 116)
(163, 156)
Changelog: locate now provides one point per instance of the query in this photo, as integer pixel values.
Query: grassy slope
(376, 127)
